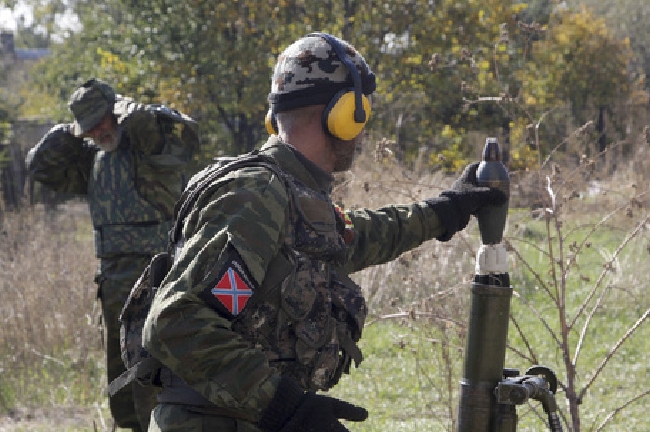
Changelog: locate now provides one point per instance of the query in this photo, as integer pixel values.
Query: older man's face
(104, 134)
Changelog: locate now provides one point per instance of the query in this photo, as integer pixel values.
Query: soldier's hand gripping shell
(293, 410)
(464, 199)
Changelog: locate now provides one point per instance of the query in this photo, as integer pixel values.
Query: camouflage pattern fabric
(312, 324)
(202, 346)
(132, 192)
(309, 72)
(131, 406)
(136, 308)
(159, 153)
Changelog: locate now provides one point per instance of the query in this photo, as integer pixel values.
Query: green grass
(52, 375)
(406, 386)
(401, 380)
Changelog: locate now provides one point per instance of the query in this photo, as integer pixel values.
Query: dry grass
(50, 344)
(51, 359)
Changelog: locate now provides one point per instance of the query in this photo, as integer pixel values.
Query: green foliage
(51, 358)
(577, 69)
(29, 36)
(451, 157)
(569, 65)
(490, 66)
(5, 159)
(627, 19)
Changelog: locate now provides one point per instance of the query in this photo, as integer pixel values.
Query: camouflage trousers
(182, 418)
(131, 406)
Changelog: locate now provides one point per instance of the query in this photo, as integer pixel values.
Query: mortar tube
(491, 293)
(484, 353)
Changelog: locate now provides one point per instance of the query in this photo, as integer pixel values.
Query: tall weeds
(50, 353)
(578, 239)
(581, 303)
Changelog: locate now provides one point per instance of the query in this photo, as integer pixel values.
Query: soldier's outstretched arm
(384, 234)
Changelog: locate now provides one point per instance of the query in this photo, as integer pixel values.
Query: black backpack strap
(161, 263)
(280, 266)
(139, 370)
(190, 195)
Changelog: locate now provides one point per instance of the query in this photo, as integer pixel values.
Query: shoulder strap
(189, 196)
(139, 370)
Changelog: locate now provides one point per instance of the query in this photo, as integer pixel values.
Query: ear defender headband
(346, 114)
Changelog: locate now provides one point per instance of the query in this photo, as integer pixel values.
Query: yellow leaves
(452, 156)
(518, 8)
(484, 65)
(112, 62)
(580, 60)
(626, 42)
(563, 38)
(447, 132)
(413, 60)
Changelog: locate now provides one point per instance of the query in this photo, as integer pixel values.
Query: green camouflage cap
(89, 104)
(310, 72)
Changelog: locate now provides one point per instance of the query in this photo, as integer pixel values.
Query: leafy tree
(433, 58)
(625, 19)
(569, 68)
(537, 11)
(213, 62)
(482, 67)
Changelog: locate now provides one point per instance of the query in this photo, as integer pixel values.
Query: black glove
(465, 198)
(293, 410)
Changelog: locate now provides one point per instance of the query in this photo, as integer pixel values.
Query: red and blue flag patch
(229, 291)
(232, 291)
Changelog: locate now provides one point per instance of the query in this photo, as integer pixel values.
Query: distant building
(25, 133)
(11, 54)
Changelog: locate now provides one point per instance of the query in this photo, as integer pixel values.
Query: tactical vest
(124, 223)
(307, 315)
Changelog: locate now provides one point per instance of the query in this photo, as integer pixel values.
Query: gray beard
(109, 145)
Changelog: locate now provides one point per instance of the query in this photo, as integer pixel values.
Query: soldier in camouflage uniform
(258, 313)
(128, 159)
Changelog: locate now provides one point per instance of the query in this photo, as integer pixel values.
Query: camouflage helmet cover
(89, 104)
(309, 72)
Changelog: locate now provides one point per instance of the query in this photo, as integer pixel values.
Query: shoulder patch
(232, 287)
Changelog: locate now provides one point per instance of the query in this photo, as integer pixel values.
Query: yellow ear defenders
(271, 123)
(347, 112)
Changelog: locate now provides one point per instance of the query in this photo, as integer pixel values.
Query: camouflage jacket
(236, 364)
(131, 191)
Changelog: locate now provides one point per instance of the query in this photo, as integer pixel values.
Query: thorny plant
(577, 211)
(563, 246)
